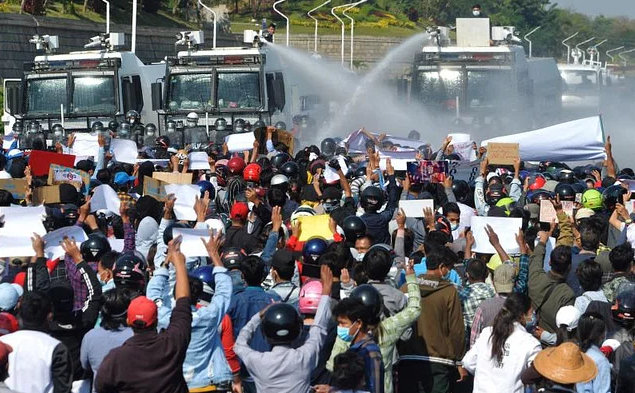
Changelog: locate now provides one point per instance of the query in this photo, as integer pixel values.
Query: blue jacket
(246, 304)
(205, 361)
(377, 223)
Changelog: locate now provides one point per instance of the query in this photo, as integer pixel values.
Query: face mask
(476, 13)
(344, 334)
(530, 323)
(58, 133)
(360, 257)
(454, 226)
(150, 133)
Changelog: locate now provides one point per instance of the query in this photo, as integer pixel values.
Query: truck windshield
(190, 91)
(94, 94)
(579, 80)
(238, 90)
(439, 87)
(46, 95)
(488, 88)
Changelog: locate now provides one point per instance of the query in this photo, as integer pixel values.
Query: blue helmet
(204, 185)
(206, 275)
(313, 249)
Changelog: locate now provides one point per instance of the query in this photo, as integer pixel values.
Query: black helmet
(461, 190)
(163, 142)
(372, 198)
(359, 172)
(280, 125)
(567, 176)
(579, 187)
(220, 124)
(239, 125)
(150, 129)
(539, 195)
(370, 296)
(280, 159)
(565, 191)
(132, 117)
(113, 125)
(328, 146)
(612, 196)
(124, 130)
(281, 324)
(495, 192)
(94, 247)
(18, 127)
(130, 271)
(97, 126)
(414, 135)
(624, 307)
(168, 233)
(354, 227)
(258, 124)
(290, 169)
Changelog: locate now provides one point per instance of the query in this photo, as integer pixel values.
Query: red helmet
(236, 165)
(8, 323)
(252, 172)
(537, 182)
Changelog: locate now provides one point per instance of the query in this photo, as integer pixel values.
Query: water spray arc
(342, 23)
(315, 37)
(352, 26)
(282, 15)
(215, 18)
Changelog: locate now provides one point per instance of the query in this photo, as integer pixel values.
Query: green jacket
(539, 284)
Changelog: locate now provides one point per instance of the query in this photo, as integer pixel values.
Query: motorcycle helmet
(592, 199)
(130, 271)
(239, 125)
(565, 191)
(280, 125)
(612, 196)
(290, 169)
(279, 159)
(204, 185)
(281, 324)
(236, 165)
(354, 227)
(495, 192)
(461, 191)
(536, 182)
(220, 124)
(132, 117)
(252, 173)
(310, 295)
(328, 146)
(370, 296)
(372, 198)
(97, 126)
(168, 233)
(94, 247)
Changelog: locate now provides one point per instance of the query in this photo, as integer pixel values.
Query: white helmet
(215, 225)
(302, 211)
(192, 117)
(279, 179)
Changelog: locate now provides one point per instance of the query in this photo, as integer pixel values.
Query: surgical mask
(57, 133)
(530, 324)
(476, 13)
(454, 226)
(345, 335)
(360, 256)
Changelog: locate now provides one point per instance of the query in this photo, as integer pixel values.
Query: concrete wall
(153, 44)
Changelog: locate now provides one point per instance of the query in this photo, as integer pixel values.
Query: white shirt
(4, 175)
(520, 349)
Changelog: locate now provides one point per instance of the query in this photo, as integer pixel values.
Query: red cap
(19, 279)
(8, 323)
(240, 210)
(5, 350)
(142, 309)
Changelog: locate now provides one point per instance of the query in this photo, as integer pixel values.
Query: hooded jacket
(439, 334)
(146, 235)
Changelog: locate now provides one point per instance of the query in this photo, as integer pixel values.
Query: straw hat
(565, 364)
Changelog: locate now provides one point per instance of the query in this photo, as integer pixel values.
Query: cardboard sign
(173, 178)
(312, 226)
(46, 194)
(16, 187)
(40, 161)
(502, 153)
(548, 212)
(60, 174)
(154, 188)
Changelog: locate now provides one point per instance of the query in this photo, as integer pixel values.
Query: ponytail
(591, 330)
(514, 308)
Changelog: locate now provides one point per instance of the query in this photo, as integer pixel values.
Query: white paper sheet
(505, 228)
(105, 198)
(398, 163)
(116, 244)
(240, 142)
(629, 183)
(331, 175)
(185, 198)
(24, 220)
(15, 245)
(414, 209)
(191, 244)
(53, 240)
(86, 145)
(7, 140)
(199, 160)
(124, 150)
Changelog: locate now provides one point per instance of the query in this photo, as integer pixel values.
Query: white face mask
(476, 13)
(57, 133)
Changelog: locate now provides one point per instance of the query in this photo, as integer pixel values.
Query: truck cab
(483, 80)
(232, 84)
(79, 88)
(582, 87)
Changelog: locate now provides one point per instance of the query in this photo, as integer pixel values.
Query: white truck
(249, 83)
(79, 88)
(485, 81)
(582, 87)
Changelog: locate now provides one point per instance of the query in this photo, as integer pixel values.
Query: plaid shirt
(471, 297)
(368, 350)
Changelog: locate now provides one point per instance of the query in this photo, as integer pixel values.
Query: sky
(605, 7)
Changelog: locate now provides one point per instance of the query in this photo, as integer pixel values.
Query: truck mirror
(13, 98)
(279, 90)
(129, 95)
(157, 96)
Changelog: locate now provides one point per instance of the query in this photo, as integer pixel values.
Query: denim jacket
(205, 361)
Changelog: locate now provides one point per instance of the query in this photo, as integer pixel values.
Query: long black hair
(591, 330)
(514, 308)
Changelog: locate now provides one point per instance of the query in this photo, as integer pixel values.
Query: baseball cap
(9, 295)
(8, 323)
(569, 316)
(282, 258)
(142, 309)
(584, 213)
(533, 209)
(240, 210)
(504, 276)
(122, 178)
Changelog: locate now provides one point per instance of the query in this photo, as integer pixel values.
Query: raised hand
(70, 248)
